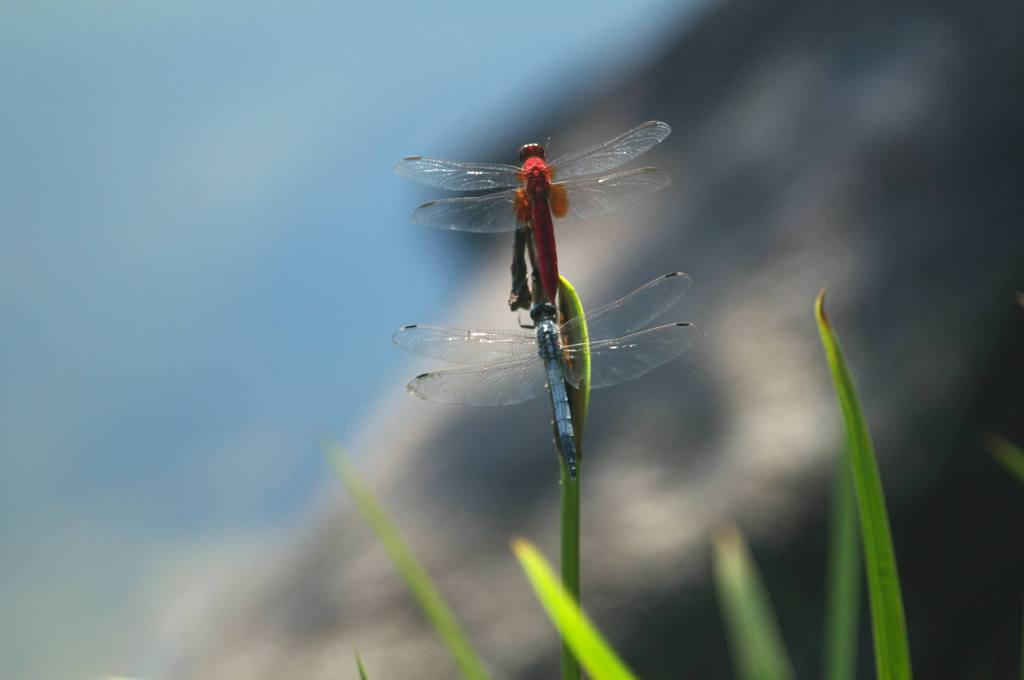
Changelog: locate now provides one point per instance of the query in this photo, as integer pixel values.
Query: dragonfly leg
(520, 298)
(528, 326)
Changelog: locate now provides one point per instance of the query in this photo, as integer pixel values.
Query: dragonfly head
(544, 310)
(533, 150)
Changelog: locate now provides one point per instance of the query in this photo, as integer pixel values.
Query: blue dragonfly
(508, 367)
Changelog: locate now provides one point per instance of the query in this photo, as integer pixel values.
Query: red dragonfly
(564, 189)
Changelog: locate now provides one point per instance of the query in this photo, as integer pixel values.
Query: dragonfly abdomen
(544, 242)
(563, 416)
(550, 351)
(537, 174)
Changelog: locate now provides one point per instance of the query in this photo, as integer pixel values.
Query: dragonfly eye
(530, 151)
(544, 310)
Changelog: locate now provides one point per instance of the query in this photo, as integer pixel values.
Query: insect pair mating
(502, 366)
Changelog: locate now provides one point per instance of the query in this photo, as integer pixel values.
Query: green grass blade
(888, 624)
(570, 307)
(1008, 454)
(579, 401)
(594, 654)
(754, 636)
(408, 566)
(362, 671)
(844, 578)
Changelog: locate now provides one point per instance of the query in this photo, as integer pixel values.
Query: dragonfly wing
(498, 384)
(635, 310)
(458, 176)
(465, 347)
(592, 197)
(481, 214)
(611, 154)
(616, 361)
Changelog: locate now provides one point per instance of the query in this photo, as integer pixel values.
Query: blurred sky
(199, 226)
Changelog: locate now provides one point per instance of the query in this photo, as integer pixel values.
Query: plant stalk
(570, 307)
(570, 561)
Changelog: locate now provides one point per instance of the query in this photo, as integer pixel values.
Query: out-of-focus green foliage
(757, 647)
(1009, 454)
(409, 567)
(594, 653)
(844, 578)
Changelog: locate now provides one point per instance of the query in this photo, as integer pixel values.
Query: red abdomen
(538, 190)
(544, 242)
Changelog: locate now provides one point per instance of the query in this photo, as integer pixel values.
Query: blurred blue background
(204, 253)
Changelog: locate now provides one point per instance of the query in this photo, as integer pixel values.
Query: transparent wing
(458, 176)
(495, 385)
(465, 347)
(611, 154)
(616, 361)
(593, 197)
(481, 214)
(635, 310)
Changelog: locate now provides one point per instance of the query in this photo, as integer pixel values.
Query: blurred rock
(872, 148)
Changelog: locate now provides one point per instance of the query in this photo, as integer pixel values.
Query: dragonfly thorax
(543, 310)
(537, 175)
(549, 343)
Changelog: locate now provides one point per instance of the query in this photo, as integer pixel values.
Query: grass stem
(570, 562)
